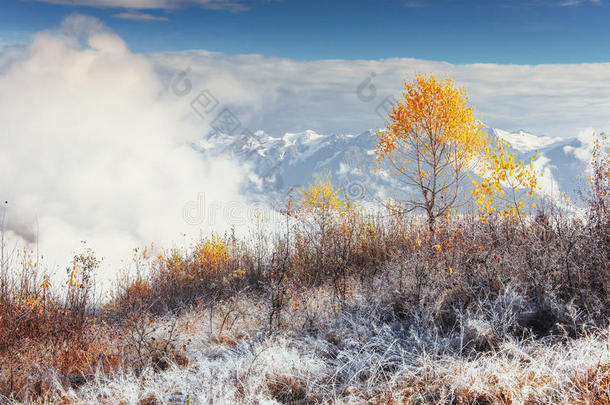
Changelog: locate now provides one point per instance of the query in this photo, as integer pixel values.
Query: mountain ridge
(295, 159)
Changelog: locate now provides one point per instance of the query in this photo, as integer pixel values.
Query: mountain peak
(296, 158)
(523, 141)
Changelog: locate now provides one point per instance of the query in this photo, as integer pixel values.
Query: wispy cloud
(571, 3)
(231, 5)
(143, 17)
(513, 4)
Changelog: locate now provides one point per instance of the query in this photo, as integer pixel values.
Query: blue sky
(457, 31)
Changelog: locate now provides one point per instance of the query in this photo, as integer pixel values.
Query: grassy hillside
(349, 307)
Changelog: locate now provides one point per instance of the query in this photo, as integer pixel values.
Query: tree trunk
(431, 223)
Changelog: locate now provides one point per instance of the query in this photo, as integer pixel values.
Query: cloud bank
(141, 17)
(232, 5)
(338, 96)
(571, 3)
(92, 148)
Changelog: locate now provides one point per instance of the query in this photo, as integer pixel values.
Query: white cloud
(280, 95)
(587, 138)
(142, 17)
(547, 182)
(93, 148)
(571, 3)
(232, 5)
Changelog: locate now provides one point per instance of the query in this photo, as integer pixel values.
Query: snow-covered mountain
(294, 160)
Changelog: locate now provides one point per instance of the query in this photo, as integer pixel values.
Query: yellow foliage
(432, 115)
(175, 259)
(502, 172)
(239, 273)
(211, 253)
(171, 261)
(323, 196)
(432, 138)
(600, 165)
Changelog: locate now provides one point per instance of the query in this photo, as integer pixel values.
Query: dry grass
(359, 356)
(345, 309)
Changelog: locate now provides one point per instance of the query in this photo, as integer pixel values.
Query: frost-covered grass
(363, 352)
(339, 310)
